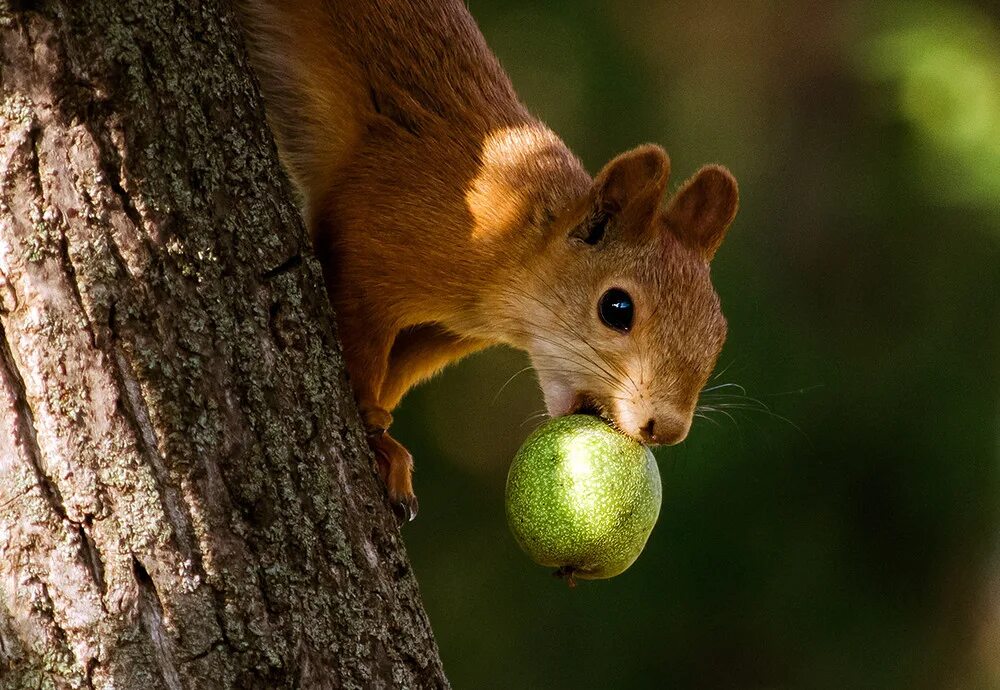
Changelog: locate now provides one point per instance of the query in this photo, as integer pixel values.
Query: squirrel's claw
(406, 508)
(395, 467)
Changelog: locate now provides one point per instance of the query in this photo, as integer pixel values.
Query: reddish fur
(446, 218)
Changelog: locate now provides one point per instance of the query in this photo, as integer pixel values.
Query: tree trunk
(186, 498)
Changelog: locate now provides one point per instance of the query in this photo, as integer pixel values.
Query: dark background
(845, 538)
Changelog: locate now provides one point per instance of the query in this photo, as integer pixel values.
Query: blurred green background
(848, 538)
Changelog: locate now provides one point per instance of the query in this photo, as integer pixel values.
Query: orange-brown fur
(448, 219)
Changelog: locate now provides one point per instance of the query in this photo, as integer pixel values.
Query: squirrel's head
(619, 311)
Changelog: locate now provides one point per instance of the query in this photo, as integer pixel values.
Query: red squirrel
(447, 219)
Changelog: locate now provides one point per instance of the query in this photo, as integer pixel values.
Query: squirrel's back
(328, 67)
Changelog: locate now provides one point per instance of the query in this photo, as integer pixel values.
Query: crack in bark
(74, 285)
(109, 152)
(213, 646)
(49, 614)
(91, 557)
(273, 313)
(8, 295)
(289, 264)
(133, 407)
(25, 424)
(219, 599)
(92, 664)
(35, 159)
(151, 613)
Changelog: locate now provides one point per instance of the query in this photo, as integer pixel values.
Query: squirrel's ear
(629, 189)
(703, 208)
(636, 177)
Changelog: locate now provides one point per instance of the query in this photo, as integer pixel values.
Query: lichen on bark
(186, 499)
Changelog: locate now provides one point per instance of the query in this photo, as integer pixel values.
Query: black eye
(615, 310)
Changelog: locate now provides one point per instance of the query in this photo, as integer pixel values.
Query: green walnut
(582, 497)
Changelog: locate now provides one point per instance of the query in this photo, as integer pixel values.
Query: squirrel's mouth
(562, 398)
(588, 403)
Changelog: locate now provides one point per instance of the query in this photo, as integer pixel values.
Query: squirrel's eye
(615, 310)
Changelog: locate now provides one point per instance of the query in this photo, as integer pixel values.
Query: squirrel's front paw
(395, 466)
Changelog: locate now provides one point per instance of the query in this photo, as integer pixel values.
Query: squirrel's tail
(312, 95)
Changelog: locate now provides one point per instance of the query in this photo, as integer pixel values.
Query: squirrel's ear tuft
(703, 208)
(635, 179)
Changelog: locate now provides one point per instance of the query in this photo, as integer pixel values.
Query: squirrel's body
(448, 218)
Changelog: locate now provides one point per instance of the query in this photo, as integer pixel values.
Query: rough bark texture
(186, 499)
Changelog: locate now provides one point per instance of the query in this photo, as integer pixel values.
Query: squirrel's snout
(667, 428)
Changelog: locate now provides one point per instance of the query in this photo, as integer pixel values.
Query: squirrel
(447, 219)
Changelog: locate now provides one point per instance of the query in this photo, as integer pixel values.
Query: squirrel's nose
(665, 429)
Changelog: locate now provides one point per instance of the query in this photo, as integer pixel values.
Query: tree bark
(186, 498)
